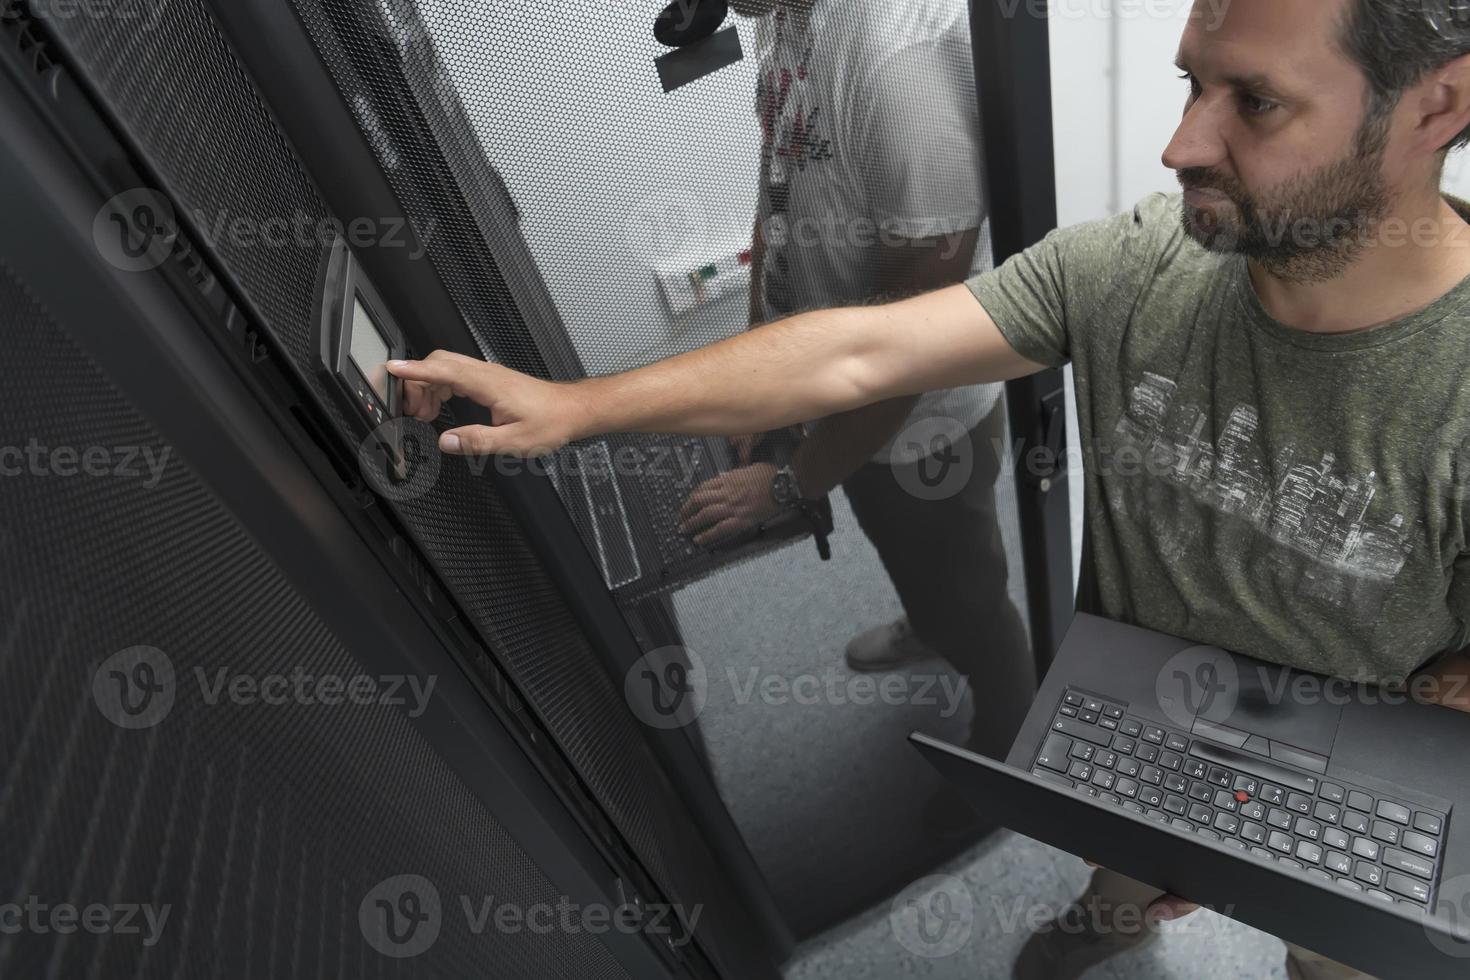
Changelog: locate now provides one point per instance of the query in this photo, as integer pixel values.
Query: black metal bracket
(1012, 55)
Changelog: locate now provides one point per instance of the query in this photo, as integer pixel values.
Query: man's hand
(1451, 687)
(728, 504)
(1165, 908)
(529, 417)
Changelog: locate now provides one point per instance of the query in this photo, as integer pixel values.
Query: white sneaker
(886, 647)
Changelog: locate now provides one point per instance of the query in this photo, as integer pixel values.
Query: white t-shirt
(872, 129)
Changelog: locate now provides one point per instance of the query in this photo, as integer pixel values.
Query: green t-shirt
(1298, 497)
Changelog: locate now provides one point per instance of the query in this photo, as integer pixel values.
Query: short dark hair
(1397, 42)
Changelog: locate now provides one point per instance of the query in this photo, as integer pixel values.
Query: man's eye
(1255, 106)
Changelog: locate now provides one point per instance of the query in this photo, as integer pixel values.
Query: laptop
(1315, 810)
(628, 489)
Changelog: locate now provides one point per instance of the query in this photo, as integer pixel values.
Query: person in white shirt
(872, 187)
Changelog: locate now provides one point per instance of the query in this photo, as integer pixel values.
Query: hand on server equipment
(530, 417)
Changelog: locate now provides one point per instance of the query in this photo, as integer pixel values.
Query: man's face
(1276, 157)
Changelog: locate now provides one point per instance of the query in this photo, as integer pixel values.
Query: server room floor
(829, 794)
(1012, 878)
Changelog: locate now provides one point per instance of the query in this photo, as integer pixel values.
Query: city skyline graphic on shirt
(1302, 501)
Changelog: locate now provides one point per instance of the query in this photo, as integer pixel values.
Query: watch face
(783, 488)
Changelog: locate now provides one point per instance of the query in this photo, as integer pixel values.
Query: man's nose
(1196, 142)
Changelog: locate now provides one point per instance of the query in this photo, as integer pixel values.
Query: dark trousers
(947, 562)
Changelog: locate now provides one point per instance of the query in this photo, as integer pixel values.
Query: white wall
(1080, 70)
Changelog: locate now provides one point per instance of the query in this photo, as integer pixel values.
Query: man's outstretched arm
(805, 367)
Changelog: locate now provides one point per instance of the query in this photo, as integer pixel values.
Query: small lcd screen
(369, 350)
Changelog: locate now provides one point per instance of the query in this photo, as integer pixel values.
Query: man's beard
(1309, 228)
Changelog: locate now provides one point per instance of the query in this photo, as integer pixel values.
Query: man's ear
(1442, 105)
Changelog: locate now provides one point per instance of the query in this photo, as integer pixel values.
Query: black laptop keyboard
(1360, 840)
(665, 497)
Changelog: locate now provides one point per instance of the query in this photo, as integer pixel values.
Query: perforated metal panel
(255, 832)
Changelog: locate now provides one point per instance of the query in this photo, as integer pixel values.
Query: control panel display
(369, 350)
(356, 337)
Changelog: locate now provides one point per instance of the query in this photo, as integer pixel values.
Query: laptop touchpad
(1271, 704)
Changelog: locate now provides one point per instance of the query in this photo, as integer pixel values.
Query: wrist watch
(785, 491)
